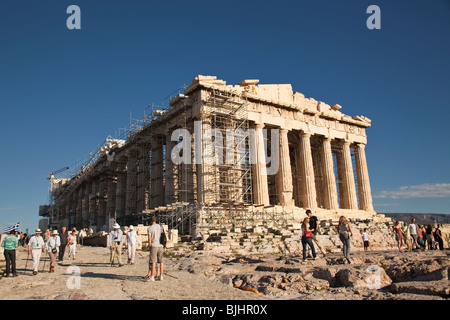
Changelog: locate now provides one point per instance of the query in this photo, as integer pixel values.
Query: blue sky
(62, 92)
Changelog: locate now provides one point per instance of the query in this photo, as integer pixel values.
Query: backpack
(163, 237)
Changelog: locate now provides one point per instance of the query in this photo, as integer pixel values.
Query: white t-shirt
(155, 231)
(36, 242)
(72, 240)
(365, 236)
(412, 228)
(132, 238)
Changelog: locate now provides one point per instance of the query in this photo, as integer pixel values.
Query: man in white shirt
(132, 242)
(36, 246)
(413, 232)
(115, 244)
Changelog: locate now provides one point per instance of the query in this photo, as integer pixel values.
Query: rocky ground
(206, 275)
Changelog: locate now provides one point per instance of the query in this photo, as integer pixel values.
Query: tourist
(72, 242)
(156, 250)
(10, 243)
(36, 246)
(131, 243)
(420, 238)
(408, 239)
(399, 235)
(46, 235)
(115, 244)
(365, 238)
(413, 231)
(53, 244)
(345, 232)
(307, 235)
(314, 225)
(438, 237)
(64, 238)
(430, 239)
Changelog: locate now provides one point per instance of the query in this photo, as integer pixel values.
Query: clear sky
(62, 92)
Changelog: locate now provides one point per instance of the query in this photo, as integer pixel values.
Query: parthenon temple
(319, 154)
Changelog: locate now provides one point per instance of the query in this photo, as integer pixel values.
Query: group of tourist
(413, 236)
(54, 244)
(418, 237)
(156, 243)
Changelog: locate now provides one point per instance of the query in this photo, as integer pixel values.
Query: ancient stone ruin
(221, 156)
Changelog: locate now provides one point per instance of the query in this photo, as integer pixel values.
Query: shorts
(156, 254)
(366, 244)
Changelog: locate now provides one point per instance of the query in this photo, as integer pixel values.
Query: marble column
(169, 187)
(130, 206)
(348, 180)
(307, 179)
(156, 173)
(260, 186)
(111, 199)
(121, 188)
(362, 174)
(329, 180)
(284, 175)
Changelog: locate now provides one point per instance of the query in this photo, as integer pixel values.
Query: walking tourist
(64, 235)
(420, 238)
(72, 242)
(345, 232)
(46, 235)
(399, 235)
(131, 243)
(53, 244)
(408, 239)
(10, 243)
(36, 246)
(430, 239)
(314, 225)
(413, 231)
(115, 244)
(438, 237)
(365, 238)
(156, 250)
(307, 238)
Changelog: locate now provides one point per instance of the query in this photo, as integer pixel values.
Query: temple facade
(221, 151)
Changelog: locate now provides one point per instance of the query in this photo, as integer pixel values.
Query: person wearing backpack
(157, 243)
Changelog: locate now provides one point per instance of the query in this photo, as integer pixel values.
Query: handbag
(308, 234)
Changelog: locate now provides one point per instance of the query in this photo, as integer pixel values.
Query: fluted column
(348, 183)
(157, 183)
(329, 180)
(362, 174)
(284, 175)
(307, 181)
(260, 186)
(169, 190)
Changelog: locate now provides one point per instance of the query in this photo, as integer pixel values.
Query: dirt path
(101, 281)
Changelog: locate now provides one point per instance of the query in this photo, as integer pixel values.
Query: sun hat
(38, 230)
(55, 232)
(116, 226)
(131, 227)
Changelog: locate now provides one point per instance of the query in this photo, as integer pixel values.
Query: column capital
(304, 134)
(259, 125)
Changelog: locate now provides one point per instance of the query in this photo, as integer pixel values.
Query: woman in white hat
(53, 244)
(132, 242)
(36, 246)
(72, 244)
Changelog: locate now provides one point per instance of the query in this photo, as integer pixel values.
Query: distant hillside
(421, 218)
